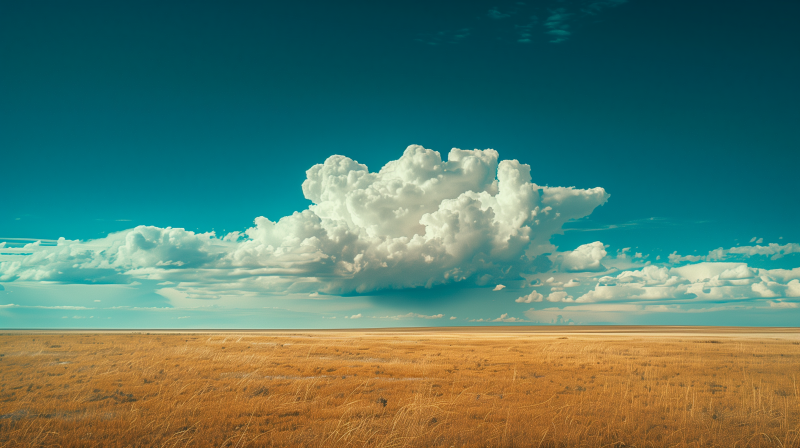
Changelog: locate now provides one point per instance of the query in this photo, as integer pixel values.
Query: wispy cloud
(557, 25)
(523, 20)
(447, 37)
(596, 7)
(413, 316)
(495, 14)
(503, 318)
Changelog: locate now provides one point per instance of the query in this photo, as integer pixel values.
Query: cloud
(772, 250)
(780, 304)
(413, 315)
(419, 221)
(503, 318)
(534, 296)
(585, 258)
(597, 6)
(703, 281)
(495, 14)
(453, 318)
(559, 296)
(499, 288)
(356, 316)
(557, 25)
(447, 37)
(793, 289)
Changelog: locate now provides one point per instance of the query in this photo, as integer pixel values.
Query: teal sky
(152, 137)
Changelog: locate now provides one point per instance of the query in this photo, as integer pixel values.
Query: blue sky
(152, 136)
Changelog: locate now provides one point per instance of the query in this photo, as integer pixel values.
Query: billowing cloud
(585, 258)
(418, 221)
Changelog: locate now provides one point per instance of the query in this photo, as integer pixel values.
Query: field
(494, 387)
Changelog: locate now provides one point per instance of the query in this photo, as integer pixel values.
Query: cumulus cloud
(585, 258)
(772, 250)
(704, 281)
(418, 221)
(534, 296)
(499, 288)
(559, 296)
(793, 289)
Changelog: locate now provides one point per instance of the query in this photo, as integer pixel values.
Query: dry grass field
(491, 387)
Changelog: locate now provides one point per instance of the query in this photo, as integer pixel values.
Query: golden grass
(399, 388)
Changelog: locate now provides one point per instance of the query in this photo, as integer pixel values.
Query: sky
(349, 164)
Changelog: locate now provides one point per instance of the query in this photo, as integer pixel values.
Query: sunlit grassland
(400, 388)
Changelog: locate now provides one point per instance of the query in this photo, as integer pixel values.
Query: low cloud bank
(418, 221)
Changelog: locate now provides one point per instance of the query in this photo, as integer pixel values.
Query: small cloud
(495, 14)
(780, 304)
(97, 300)
(753, 239)
(452, 317)
(572, 283)
(314, 294)
(413, 315)
(534, 296)
(760, 240)
(122, 220)
(559, 296)
(504, 318)
(499, 287)
(557, 25)
(356, 316)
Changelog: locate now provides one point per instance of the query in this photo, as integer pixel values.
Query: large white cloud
(419, 221)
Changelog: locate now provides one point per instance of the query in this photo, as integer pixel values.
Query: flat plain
(472, 387)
